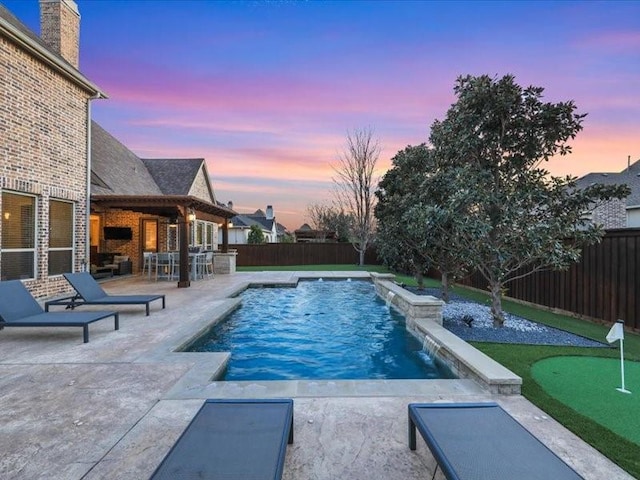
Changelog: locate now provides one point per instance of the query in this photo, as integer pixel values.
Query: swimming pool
(318, 330)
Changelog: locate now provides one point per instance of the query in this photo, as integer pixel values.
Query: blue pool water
(318, 330)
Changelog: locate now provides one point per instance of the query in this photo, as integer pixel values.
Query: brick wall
(611, 214)
(43, 126)
(60, 28)
(126, 218)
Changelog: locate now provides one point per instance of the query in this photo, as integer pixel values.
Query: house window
(172, 238)
(60, 237)
(209, 243)
(199, 240)
(18, 236)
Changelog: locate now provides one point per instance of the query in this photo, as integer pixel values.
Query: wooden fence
(604, 284)
(272, 254)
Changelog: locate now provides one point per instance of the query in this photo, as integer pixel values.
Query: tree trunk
(361, 252)
(496, 303)
(420, 280)
(445, 286)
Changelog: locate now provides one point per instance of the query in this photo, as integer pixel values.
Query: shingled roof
(116, 170)
(174, 176)
(629, 176)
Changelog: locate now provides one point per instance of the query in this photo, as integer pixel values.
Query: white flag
(616, 332)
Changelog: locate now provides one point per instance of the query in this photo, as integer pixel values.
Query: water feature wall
(412, 306)
(423, 315)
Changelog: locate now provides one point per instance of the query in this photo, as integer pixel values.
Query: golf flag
(616, 332)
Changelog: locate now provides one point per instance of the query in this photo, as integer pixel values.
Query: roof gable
(174, 176)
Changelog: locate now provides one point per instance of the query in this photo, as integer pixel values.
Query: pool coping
(476, 371)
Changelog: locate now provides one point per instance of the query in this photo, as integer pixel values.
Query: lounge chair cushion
(243, 439)
(480, 441)
(19, 302)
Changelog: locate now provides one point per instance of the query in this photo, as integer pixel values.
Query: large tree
(518, 219)
(355, 186)
(397, 244)
(417, 217)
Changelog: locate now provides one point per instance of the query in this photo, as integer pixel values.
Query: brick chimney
(60, 28)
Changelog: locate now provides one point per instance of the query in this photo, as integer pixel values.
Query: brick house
(616, 213)
(44, 155)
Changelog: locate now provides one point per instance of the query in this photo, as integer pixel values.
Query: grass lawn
(521, 359)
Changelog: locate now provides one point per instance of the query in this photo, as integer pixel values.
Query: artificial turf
(589, 386)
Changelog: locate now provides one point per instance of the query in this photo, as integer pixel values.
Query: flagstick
(623, 390)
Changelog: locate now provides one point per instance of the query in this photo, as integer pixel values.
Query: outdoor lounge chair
(18, 308)
(243, 439)
(481, 441)
(89, 292)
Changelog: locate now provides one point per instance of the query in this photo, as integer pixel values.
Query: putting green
(588, 386)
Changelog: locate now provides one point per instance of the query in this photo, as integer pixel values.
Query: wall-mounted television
(117, 233)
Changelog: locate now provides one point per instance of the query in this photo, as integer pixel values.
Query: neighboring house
(616, 213)
(241, 224)
(306, 234)
(44, 156)
(153, 199)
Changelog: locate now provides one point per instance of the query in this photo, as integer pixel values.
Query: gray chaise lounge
(18, 308)
(89, 292)
(480, 441)
(243, 439)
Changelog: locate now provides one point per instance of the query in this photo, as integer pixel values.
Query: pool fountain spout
(430, 346)
(389, 299)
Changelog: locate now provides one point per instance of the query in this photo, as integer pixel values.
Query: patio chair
(482, 441)
(165, 265)
(89, 292)
(18, 308)
(232, 439)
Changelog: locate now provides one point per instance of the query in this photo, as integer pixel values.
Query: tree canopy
(478, 198)
(256, 235)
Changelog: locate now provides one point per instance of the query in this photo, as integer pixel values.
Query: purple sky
(266, 91)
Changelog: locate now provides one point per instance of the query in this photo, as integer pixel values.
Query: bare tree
(317, 215)
(355, 185)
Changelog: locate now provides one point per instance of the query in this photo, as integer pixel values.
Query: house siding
(633, 217)
(43, 126)
(200, 188)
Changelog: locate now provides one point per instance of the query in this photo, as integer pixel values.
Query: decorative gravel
(472, 321)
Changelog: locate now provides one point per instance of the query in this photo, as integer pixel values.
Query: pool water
(318, 330)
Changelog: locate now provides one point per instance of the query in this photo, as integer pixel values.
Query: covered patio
(182, 211)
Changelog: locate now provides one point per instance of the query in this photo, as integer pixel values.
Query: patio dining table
(150, 262)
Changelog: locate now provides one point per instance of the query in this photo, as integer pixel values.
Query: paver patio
(111, 408)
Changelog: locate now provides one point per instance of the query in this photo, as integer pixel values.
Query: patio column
(183, 281)
(225, 236)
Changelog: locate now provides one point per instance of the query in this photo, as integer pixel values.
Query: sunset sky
(266, 91)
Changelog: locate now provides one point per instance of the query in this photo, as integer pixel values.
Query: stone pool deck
(111, 408)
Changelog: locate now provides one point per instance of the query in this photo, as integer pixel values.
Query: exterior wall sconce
(191, 216)
(7, 215)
